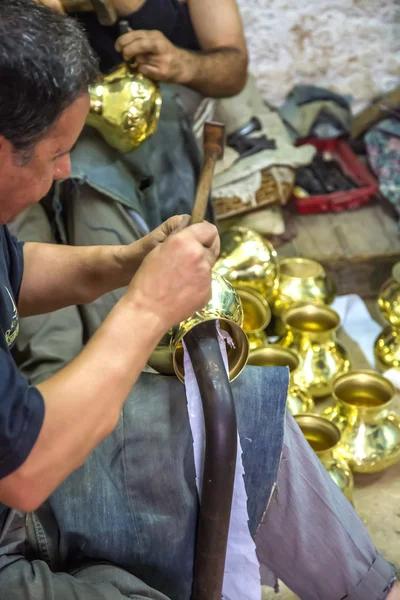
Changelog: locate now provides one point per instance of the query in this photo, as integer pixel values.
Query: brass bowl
(311, 332)
(298, 399)
(256, 311)
(224, 306)
(257, 340)
(387, 349)
(324, 438)
(389, 297)
(370, 432)
(125, 108)
(302, 280)
(248, 260)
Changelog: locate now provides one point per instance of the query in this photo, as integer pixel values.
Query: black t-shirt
(171, 17)
(21, 406)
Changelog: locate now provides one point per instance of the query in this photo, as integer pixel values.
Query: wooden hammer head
(214, 140)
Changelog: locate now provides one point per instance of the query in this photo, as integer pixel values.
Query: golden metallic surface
(257, 340)
(224, 306)
(370, 431)
(324, 438)
(387, 349)
(125, 108)
(310, 330)
(298, 399)
(256, 311)
(248, 260)
(302, 280)
(389, 297)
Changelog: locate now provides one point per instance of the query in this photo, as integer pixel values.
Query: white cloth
(242, 570)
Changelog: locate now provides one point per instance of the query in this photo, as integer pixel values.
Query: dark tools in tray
(324, 176)
(247, 146)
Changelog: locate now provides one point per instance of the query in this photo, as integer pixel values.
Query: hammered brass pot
(248, 260)
(324, 438)
(225, 306)
(125, 107)
(302, 280)
(298, 399)
(310, 330)
(387, 348)
(370, 430)
(256, 316)
(389, 298)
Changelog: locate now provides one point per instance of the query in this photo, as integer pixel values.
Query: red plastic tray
(339, 201)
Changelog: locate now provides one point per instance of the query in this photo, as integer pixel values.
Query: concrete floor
(376, 497)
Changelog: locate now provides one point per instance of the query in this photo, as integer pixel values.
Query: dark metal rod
(219, 462)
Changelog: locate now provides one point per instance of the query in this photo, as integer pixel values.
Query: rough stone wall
(349, 46)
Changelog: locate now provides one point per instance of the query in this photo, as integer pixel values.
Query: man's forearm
(56, 276)
(83, 403)
(218, 73)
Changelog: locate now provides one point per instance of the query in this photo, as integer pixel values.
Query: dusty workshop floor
(376, 497)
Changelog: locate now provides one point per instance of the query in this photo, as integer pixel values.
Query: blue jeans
(124, 524)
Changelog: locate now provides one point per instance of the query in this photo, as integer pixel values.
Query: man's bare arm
(219, 70)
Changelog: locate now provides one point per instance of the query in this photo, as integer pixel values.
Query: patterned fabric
(383, 145)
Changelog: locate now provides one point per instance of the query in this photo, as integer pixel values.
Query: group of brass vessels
(252, 290)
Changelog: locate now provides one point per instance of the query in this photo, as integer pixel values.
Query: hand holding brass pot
(370, 431)
(298, 399)
(224, 306)
(302, 280)
(248, 260)
(311, 332)
(324, 438)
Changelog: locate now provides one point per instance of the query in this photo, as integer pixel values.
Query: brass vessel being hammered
(302, 280)
(311, 332)
(125, 108)
(370, 431)
(248, 260)
(298, 399)
(324, 438)
(224, 306)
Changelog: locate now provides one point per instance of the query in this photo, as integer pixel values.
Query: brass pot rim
(313, 308)
(324, 424)
(319, 271)
(291, 355)
(257, 299)
(364, 373)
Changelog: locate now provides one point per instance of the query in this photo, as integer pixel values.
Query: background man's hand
(155, 55)
(174, 280)
(54, 4)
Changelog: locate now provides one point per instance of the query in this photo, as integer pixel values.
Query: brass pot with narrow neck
(248, 260)
(298, 399)
(310, 330)
(325, 439)
(370, 430)
(387, 344)
(225, 307)
(256, 316)
(301, 280)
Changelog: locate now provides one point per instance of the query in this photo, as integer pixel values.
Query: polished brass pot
(389, 298)
(256, 316)
(324, 438)
(298, 399)
(224, 306)
(370, 430)
(248, 260)
(310, 330)
(257, 340)
(387, 344)
(125, 107)
(302, 280)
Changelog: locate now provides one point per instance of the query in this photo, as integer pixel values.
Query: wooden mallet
(213, 145)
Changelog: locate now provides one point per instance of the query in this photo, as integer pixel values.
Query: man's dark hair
(46, 63)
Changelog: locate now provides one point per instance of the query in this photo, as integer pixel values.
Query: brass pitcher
(248, 260)
(387, 344)
(302, 280)
(324, 438)
(125, 108)
(310, 330)
(298, 399)
(224, 306)
(370, 431)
